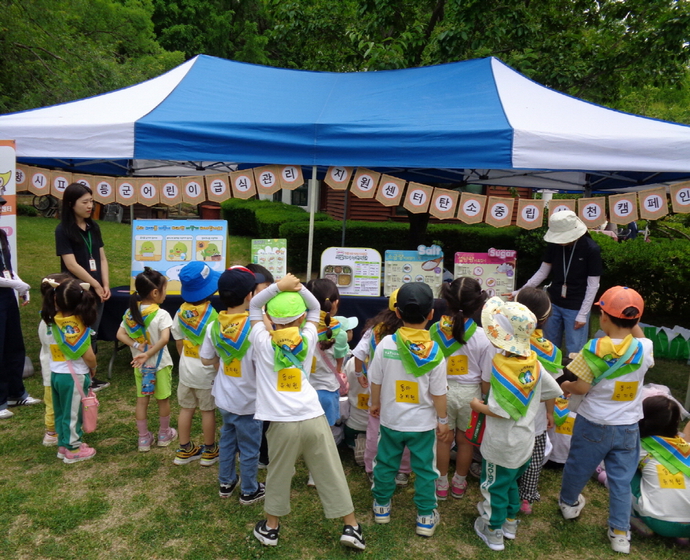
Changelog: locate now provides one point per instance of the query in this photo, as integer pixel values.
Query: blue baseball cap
(199, 281)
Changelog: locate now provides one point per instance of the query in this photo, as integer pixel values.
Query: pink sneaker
(145, 442)
(441, 489)
(458, 490)
(82, 454)
(166, 438)
(526, 507)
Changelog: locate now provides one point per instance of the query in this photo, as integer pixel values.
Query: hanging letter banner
(365, 182)
(149, 192)
(530, 213)
(499, 211)
(125, 193)
(471, 208)
(443, 203)
(39, 182)
(242, 183)
(104, 190)
(653, 204)
(417, 198)
(591, 211)
(58, 183)
(268, 179)
(390, 190)
(21, 178)
(171, 191)
(623, 208)
(291, 177)
(217, 187)
(338, 177)
(680, 197)
(560, 205)
(193, 190)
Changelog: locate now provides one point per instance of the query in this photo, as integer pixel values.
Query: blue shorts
(330, 402)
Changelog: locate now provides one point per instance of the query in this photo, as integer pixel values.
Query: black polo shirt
(66, 246)
(586, 261)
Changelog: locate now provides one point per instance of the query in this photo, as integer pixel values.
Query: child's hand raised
(289, 283)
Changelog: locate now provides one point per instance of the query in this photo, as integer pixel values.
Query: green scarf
(194, 319)
(230, 335)
(548, 354)
(72, 337)
(513, 381)
(134, 330)
(442, 333)
(289, 340)
(419, 354)
(672, 453)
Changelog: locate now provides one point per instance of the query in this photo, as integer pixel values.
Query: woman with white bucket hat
(573, 260)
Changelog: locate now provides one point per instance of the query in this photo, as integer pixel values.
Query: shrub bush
(262, 219)
(26, 210)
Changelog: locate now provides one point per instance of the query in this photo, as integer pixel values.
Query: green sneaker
(209, 455)
(187, 455)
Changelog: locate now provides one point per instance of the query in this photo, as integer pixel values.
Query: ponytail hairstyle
(465, 299)
(326, 293)
(69, 297)
(388, 320)
(538, 302)
(144, 284)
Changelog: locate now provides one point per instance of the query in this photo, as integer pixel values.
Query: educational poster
(423, 265)
(8, 211)
(356, 271)
(494, 270)
(271, 254)
(168, 245)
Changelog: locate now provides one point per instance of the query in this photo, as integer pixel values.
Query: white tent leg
(312, 211)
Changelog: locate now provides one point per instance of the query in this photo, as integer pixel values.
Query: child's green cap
(286, 307)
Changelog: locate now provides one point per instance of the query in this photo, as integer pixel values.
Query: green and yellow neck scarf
(601, 353)
(548, 354)
(230, 335)
(194, 319)
(419, 354)
(513, 381)
(72, 337)
(672, 453)
(442, 333)
(290, 348)
(134, 330)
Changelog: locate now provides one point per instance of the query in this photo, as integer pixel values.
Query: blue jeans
(619, 448)
(239, 433)
(562, 321)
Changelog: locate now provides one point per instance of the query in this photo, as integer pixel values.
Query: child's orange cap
(619, 298)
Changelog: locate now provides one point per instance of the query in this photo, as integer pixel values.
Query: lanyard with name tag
(89, 245)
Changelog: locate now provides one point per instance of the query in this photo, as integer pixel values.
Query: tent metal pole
(312, 211)
(342, 238)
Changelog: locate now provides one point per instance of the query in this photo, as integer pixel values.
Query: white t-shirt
(193, 373)
(358, 398)
(560, 437)
(60, 365)
(473, 358)
(160, 322)
(507, 442)
(321, 377)
(361, 351)
(287, 397)
(399, 411)
(234, 388)
(618, 401)
(664, 503)
(44, 354)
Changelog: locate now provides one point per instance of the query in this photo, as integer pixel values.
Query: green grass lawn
(125, 504)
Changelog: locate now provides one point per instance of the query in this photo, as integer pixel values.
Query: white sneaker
(571, 512)
(382, 514)
(510, 528)
(426, 524)
(401, 479)
(28, 401)
(6, 413)
(311, 482)
(493, 539)
(620, 543)
(50, 439)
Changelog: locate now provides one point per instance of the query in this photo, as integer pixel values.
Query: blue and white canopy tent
(474, 121)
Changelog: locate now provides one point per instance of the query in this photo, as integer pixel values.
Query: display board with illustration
(494, 270)
(355, 271)
(423, 265)
(272, 255)
(168, 245)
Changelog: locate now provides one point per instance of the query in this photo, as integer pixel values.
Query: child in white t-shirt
(518, 384)
(408, 392)
(199, 283)
(610, 373)
(286, 399)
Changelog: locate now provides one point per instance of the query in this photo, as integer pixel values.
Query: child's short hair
(415, 301)
(537, 301)
(235, 284)
(262, 274)
(661, 417)
(623, 305)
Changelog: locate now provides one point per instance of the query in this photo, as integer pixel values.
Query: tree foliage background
(631, 55)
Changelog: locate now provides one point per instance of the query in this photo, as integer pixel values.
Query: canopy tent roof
(474, 121)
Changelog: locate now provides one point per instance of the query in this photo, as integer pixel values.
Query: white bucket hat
(508, 325)
(564, 227)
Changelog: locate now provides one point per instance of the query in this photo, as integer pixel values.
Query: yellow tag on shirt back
(624, 391)
(363, 401)
(457, 365)
(668, 480)
(407, 392)
(233, 368)
(290, 379)
(567, 427)
(313, 365)
(56, 354)
(191, 350)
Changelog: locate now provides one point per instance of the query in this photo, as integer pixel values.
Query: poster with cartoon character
(495, 270)
(168, 245)
(271, 254)
(8, 191)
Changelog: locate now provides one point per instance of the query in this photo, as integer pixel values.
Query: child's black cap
(237, 280)
(415, 298)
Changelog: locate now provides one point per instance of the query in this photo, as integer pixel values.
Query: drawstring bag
(475, 429)
(339, 375)
(89, 404)
(148, 377)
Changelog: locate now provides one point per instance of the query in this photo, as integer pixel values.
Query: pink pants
(373, 444)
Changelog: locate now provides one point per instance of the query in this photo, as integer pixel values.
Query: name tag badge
(233, 369)
(624, 391)
(313, 365)
(363, 401)
(457, 365)
(567, 427)
(191, 350)
(668, 480)
(56, 354)
(407, 392)
(290, 380)
(92, 265)
(7, 275)
(564, 291)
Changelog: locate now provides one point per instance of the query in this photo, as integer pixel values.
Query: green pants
(67, 407)
(499, 486)
(422, 446)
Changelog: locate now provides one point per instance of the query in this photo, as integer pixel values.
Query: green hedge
(262, 219)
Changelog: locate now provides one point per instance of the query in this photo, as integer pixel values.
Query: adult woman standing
(573, 260)
(79, 245)
(12, 354)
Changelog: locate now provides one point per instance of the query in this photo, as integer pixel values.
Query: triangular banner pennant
(558, 205)
(149, 191)
(471, 208)
(193, 190)
(104, 190)
(680, 197)
(499, 211)
(21, 178)
(530, 213)
(653, 203)
(390, 190)
(444, 203)
(291, 177)
(338, 178)
(365, 182)
(59, 180)
(623, 208)
(218, 187)
(125, 193)
(592, 211)
(268, 179)
(242, 183)
(39, 182)
(171, 191)
(417, 198)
